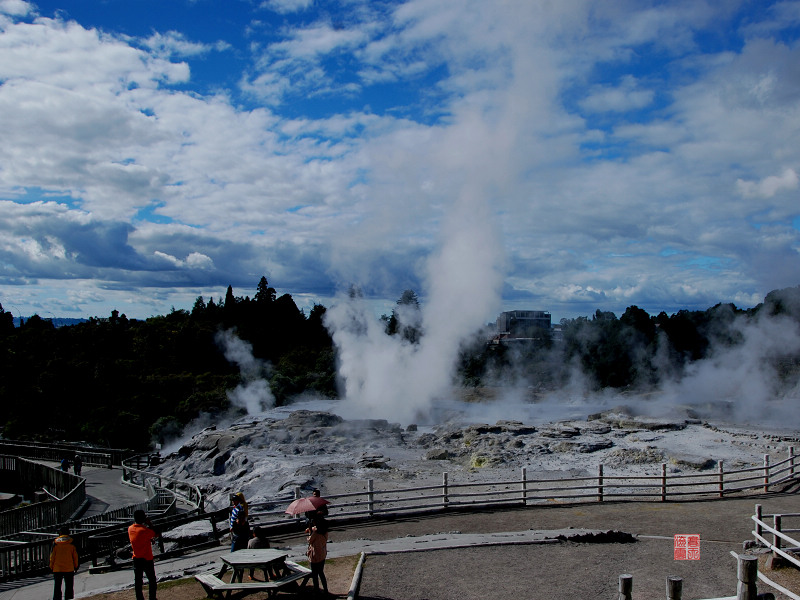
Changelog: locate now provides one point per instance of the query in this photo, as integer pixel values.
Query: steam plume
(253, 394)
(386, 376)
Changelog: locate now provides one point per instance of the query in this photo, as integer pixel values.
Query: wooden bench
(216, 587)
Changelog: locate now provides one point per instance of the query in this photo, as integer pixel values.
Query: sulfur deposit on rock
(692, 462)
(624, 457)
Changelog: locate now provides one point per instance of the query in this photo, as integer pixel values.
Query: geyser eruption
(390, 377)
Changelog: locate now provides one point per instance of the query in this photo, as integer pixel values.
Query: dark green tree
(264, 293)
(406, 318)
(199, 307)
(6, 322)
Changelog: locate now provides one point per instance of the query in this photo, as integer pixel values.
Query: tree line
(636, 351)
(125, 382)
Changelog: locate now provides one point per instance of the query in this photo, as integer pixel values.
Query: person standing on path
(77, 464)
(317, 552)
(240, 528)
(141, 534)
(63, 564)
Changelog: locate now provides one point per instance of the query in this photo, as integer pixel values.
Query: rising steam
(741, 383)
(389, 377)
(253, 393)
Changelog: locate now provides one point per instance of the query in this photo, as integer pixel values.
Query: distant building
(523, 323)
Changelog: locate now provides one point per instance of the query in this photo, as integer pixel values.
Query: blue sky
(599, 155)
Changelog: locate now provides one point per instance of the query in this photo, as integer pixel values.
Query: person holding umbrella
(321, 510)
(311, 504)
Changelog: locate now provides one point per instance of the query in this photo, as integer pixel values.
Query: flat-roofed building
(523, 323)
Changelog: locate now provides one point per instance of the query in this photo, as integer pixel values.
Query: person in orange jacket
(63, 564)
(141, 533)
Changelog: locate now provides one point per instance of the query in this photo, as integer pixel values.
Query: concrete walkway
(106, 492)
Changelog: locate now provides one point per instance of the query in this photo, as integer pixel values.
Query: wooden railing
(91, 455)
(27, 533)
(68, 493)
(747, 574)
(526, 491)
(782, 544)
(27, 553)
(134, 473)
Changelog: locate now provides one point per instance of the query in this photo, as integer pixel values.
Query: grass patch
(173, 583)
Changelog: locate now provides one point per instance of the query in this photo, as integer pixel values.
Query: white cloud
(598, 208)
(198, 260)
(287, 6)
(16, 8)
(174, 43)
(624, 97)
(769, 186)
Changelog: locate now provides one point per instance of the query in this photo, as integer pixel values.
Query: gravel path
(568, 570)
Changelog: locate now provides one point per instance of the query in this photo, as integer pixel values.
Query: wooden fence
(746, 589)
(782, 545)
(27, 553)
(134, 473)
(67, 493)
(526, 491)
(27, 533)
(91, 455)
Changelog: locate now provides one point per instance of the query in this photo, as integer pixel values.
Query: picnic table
(279, 573)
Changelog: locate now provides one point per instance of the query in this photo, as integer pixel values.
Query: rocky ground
(266, 457)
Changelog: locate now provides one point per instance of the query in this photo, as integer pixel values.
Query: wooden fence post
(791, 461)
(759, 530)
(371, 497)
(766, 472)
(625, 587)
(524, 486)
(721, 474)
(600, 482)
(674, 587)
(663, 482)
(445, 500)
(747, 575)
(776, 539)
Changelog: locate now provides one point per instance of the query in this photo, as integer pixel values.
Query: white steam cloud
(741, 382)
(253, 394)
(389, 377)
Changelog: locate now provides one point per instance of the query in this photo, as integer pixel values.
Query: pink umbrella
(302, 505)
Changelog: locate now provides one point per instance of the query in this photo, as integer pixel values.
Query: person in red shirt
(141, 534)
